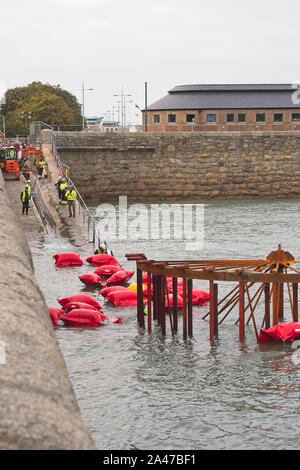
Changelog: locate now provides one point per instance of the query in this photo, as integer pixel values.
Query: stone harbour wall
(38, 405)
(180, 166)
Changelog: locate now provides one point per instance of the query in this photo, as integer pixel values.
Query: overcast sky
(115, 44)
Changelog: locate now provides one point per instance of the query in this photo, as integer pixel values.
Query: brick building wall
(271, 122)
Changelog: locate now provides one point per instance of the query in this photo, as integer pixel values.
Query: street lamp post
(4, 130)
(83, 90)
(146, 107)
(123, 107)
(26, 116)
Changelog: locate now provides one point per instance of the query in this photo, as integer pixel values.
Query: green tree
(45, 102)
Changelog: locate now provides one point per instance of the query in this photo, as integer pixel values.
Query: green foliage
(47, 103)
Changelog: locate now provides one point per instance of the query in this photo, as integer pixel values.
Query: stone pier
(38, 405)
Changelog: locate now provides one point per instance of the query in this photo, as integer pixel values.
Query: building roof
(227, 96)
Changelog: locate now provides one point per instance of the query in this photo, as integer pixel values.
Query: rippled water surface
(143, 391)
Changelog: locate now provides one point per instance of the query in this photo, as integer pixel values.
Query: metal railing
(41, 205)
(88, 219)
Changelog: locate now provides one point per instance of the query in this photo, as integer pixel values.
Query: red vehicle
(9, 163)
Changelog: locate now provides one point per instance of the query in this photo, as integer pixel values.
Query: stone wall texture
(38, 405)
(160, 166)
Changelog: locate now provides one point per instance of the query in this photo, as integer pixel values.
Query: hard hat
(28, 181)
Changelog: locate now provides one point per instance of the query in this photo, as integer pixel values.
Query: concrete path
(76, 228)
(30, 222)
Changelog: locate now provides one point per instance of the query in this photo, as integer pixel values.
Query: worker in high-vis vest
(12, 151)
(63, 190)
(41, 168)
(25, 198)
(71, 196)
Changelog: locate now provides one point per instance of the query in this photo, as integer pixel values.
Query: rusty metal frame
(271, 273)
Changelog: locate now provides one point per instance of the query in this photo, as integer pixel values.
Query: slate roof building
(246, 107)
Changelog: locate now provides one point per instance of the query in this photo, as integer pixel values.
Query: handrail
(41, 205)
(82, 205)
(43, 123)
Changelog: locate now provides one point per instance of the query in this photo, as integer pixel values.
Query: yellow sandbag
(133, 287)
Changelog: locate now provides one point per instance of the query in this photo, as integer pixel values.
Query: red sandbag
(179, 301)
(288, 331)
(72, 305)
(122, 298)
(116, 320)
(145, 278)
(83, 317)
(199, 297)
(101, 260)
(118, 278)
(82, 306)
(55, 314)
(104, 292)
(67, 259)
(107, 270)
(90, 279)
(79, 298)
(145, 291)
(170, 283)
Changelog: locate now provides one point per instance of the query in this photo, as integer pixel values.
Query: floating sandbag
(288, 332)
(90, 279)
(72, 305)
(107, 270)
(116, 320)
(179, 301)
(118, 278)
(106, 290)
(82, 317)
(67, 259)
(101, 260)
(79, 298)
(170, 283)
(145, 290)
(199, 297)
(123, 298)
(133, 286)
(55, 314)
(145, 277)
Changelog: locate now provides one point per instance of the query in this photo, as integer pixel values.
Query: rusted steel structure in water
(267, 278)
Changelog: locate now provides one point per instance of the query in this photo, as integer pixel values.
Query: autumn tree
(44, 102)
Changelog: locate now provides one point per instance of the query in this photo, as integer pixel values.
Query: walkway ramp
(30, 222)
